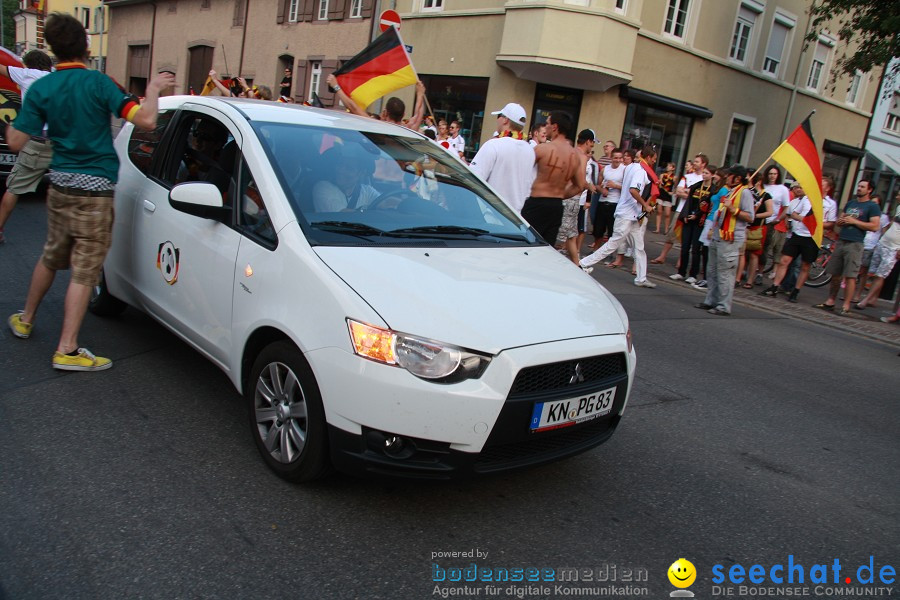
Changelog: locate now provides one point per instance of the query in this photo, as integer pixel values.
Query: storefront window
(549, 98)
(837, 167)
(668, 131)
(459, 99)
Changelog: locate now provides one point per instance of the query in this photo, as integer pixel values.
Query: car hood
(486, 299)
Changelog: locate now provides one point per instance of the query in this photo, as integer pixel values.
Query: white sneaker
(700, 285)
(690, 280)
(645, 283)
(676, 277)
(587, 270)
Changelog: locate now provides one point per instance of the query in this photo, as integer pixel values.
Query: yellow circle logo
(682, 573)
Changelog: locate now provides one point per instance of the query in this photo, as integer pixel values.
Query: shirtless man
(560, 174)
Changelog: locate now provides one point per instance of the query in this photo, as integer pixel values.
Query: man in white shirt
(506, 162)
(630, 211)
(800, 243)
(610, 191)
(884, 257)
(699, 163)
(27, 173)
(457, 142)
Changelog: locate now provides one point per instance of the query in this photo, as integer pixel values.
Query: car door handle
(149, 205)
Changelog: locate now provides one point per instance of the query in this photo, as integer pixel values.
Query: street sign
(408, 48)
(389, 18)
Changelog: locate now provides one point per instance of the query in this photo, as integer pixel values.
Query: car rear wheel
(286, 414)
(102, 303)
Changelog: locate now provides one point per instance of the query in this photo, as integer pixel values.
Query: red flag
(799, 156)
(382, 67)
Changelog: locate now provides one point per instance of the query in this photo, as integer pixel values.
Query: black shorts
(802, 246)
(544, 215)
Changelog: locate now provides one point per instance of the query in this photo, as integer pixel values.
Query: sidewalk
(864, 323)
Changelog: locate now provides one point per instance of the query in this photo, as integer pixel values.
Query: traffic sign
(389, 18)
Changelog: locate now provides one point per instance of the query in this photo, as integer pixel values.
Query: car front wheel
(102, 303)
(286, 414)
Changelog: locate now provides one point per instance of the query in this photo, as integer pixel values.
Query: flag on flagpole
(798, 155)
(382, 67)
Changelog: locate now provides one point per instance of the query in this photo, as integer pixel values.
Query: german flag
(381, 68)
(798, 155)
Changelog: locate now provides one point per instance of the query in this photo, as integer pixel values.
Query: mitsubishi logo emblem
(577, 376)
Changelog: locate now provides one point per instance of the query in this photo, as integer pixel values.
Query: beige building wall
(172, 28)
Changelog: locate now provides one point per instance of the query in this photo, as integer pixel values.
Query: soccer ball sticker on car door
(167, 261)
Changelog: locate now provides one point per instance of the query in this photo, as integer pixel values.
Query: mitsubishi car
(380, 308)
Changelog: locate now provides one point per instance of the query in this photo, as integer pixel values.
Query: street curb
(820, 317)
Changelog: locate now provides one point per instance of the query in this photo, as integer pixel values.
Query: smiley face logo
(682, 573)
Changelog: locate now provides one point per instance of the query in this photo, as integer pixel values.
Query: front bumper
(391, 447)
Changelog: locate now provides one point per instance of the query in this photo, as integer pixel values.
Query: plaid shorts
(79, 233)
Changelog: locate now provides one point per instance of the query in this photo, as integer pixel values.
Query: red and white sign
(389, 18)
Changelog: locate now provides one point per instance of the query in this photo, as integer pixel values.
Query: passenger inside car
(209, 155)
(345, 186)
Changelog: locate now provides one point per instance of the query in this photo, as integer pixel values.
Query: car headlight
(424, 358)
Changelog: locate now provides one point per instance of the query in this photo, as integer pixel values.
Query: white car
(381, 309)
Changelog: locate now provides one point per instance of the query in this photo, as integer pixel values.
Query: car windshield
(352, 187)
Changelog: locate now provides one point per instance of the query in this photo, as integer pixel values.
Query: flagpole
(755, 173)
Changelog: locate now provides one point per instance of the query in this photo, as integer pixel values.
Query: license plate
(8, 159)
(563, 413)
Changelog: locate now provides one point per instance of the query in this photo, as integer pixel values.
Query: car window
(253, 218)
(350, 187)
(205, 151)
(142, 144)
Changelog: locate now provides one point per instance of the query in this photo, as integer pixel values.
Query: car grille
(554, 376)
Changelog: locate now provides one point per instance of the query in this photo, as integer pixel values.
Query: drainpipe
(243, 37)
(152, 40)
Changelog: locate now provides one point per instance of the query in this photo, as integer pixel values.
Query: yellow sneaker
(19, 328)
(83, 361)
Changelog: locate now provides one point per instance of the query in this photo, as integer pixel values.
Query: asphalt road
(746, 439)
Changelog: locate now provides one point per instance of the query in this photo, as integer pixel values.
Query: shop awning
(676, 106)
(843, 149)
(888, 160)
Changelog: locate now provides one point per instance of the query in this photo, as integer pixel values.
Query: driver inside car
(344, 187)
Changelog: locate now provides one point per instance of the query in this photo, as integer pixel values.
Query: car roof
(297, 114)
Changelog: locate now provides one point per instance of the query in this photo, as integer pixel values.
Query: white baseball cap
(513, 112)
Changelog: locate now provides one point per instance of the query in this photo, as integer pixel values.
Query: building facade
(92, 14)
(882, 162)
(257, 40)
(728, 78)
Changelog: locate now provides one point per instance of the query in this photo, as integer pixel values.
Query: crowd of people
(730, 223)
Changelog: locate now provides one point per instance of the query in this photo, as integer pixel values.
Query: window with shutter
(308, 8)
(743, 30)
(238, 20)
(336, 10)
(326, 95)
(301, 81)
(817, 69)
(775, 48)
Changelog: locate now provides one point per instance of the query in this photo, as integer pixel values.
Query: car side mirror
(199, 199)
